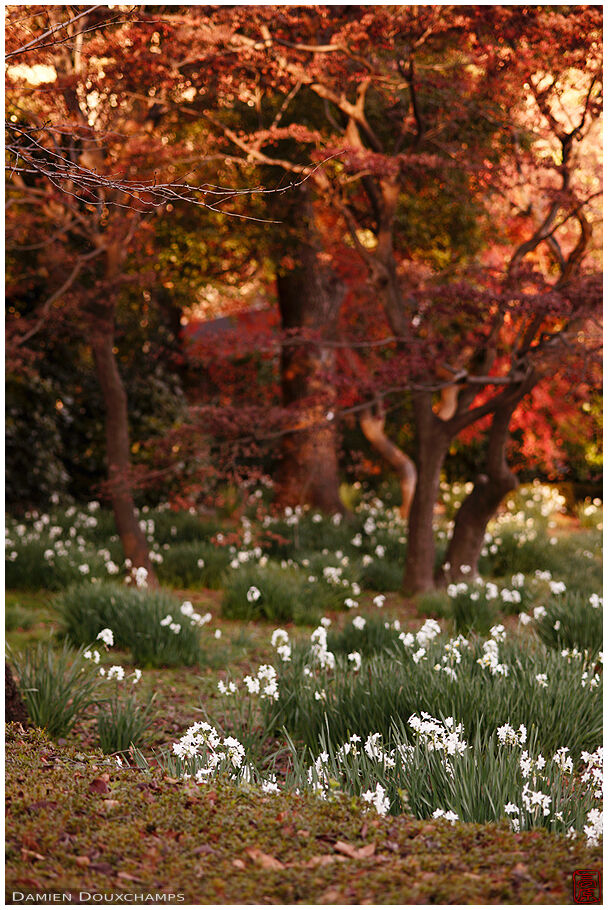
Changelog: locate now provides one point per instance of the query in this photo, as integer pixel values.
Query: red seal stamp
(587, 886)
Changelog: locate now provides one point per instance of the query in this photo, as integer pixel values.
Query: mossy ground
(145, 833)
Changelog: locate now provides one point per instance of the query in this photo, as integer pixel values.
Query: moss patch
(77, 823)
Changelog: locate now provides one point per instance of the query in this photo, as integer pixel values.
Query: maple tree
(432, 113)
(441, 247)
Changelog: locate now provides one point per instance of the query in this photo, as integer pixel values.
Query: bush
(57, 688)
(135, 618)
(572, 622)
(377, 636)
(472, 610)
(193, 565)
(381, 575)
(268, 592)
(122, 722)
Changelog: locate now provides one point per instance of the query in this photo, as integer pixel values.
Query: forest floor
(82, 830)
(78, 826)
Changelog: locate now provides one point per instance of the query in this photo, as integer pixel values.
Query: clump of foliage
(137, 619)
(122, 722)
(57, 687)
(193, 565)
(571, 620)
(268, 592)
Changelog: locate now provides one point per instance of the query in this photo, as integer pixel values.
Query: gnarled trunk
(432, 444)
(309, 298)
(372, 426)
(133, 540)
(483, 501)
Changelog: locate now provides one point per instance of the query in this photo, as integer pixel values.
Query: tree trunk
(372, 426)
(133, 540)
(482, 502)
(14, 707)
(432, 443)
(309, 298)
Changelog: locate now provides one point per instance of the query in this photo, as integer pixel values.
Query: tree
(442, 98)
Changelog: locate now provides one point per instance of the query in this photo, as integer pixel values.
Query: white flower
(418, 655)
(408, 639)
(541, 679)
(378, 799)
(524, 619)
(350, 603)
(107, 637)
(141, 577)
(498, 632)
(594, 829)
(175, 627)
(563, 761)
(167, 620)
(355, 657)
(379, 551)
(511, 809)
(449, 816)
(116, 672)
(186, 608)
(253, 594)
(279, 637)
(359, 622)
(557, 587)
(84, 569)
(378, 601)
(91, 655)
(200, 563)
(539, 613)
(217, 633)
(137, 676)
(224, 689)
(428, 631)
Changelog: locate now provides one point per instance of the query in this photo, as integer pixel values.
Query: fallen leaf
(355, 852)
(203, 849)
(520, 870)
(99, 785)
(30, 853)
(103, 868)
(331, 896)
(239, 864)
(41, 804)
(82, 860)
(110, 803)
(366, 851)
(263, 859)
(129, 878)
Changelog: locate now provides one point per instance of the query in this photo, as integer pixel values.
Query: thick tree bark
(483, 501)
(309, 299)
(132, 538)
(372, 426)
(14, 707)
(432, 444)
